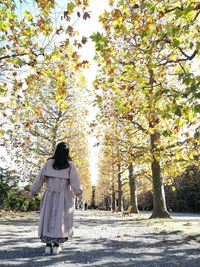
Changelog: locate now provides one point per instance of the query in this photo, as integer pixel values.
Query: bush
(10, 197)
(145, 201)
(16, 201)
(3, 193)
(184, 193)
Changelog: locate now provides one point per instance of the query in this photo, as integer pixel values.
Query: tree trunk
(76, 203)
(106, 203)
(159, 203)
(119, 208)
(93, 204)
(113, 206)
(133, 190)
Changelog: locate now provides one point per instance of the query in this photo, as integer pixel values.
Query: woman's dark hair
(61, 156)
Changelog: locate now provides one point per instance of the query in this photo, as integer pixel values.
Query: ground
(104, 239)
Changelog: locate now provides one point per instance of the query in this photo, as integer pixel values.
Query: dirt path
(102, 239)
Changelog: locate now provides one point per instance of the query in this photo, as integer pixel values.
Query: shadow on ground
(152, 250)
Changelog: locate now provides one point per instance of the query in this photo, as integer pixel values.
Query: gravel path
(101, 239)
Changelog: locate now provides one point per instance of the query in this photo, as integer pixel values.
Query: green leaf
(70, 8)
(176, 43)
(111, 80)
(178, 110)
(187, 80)
(197, 108)
(99, 100)
(167, 133)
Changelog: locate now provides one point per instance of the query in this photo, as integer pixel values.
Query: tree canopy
(146, 88)
(147, 57)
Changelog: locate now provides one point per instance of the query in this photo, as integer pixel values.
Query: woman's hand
(24, 192)
(79, 196)
(30, 195)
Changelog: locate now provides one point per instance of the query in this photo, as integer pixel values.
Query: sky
(87, 28)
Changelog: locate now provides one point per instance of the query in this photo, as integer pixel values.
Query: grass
(15, 215)
(188, 228)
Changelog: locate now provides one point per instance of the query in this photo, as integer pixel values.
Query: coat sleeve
(39, 181)
(75, 181)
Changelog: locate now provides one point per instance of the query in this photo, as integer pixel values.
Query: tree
(152, 89)
(30, 32)
(41, 82)
(48, 113)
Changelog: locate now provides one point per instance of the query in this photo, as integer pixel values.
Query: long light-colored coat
(56, 208)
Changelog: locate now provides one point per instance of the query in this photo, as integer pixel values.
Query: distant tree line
(182, 195)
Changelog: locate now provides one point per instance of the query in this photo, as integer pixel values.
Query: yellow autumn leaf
(28, 123)
(77, 2)
(150, 20)
(116, 13)
(38, 111)
(61, 91)
(70, 8)
(173, 189)
(28, 15)
(2, 132)
(70, 30)
(86, 2)
(198, 78)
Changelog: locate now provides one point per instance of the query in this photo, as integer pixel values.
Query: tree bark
(133, 190)
(113, 206)
(76, 203)
(159, 203)
(93, 203)
(119, 208)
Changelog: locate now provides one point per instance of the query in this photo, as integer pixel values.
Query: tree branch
(21, 55)
(187, 57)
(139, 126)
(172, 9)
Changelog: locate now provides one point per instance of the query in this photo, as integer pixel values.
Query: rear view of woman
(56, 209)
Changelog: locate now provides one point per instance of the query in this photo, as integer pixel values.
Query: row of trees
(147, 89)
(43, 90)
(182, 193)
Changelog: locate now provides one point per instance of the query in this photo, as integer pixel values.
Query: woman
(56, 209)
